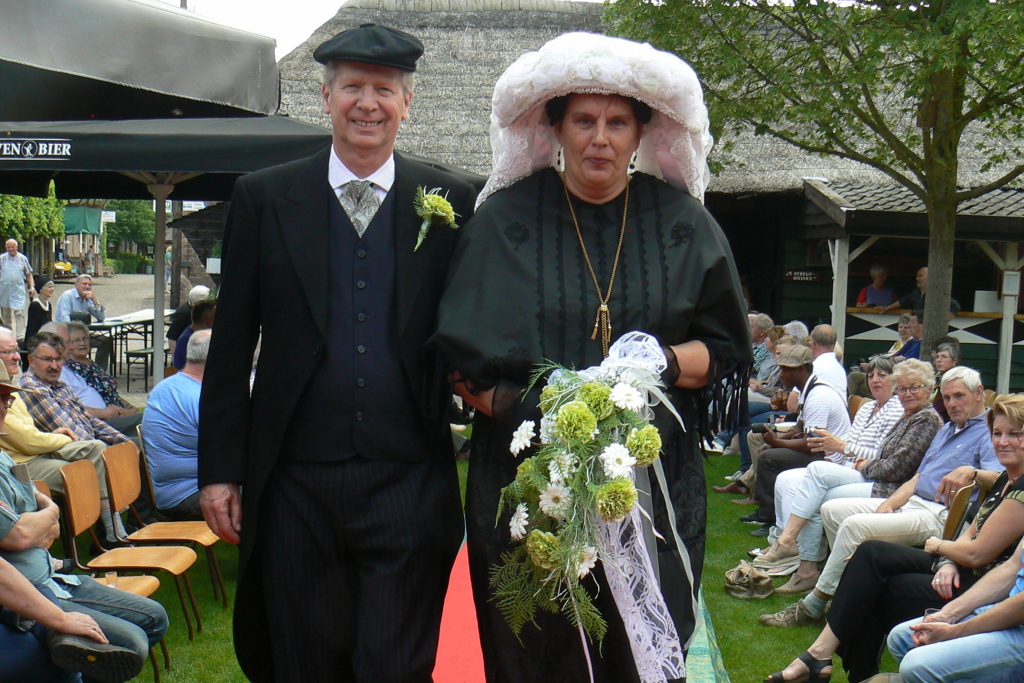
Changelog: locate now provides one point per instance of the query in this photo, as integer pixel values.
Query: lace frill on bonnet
(674, 146)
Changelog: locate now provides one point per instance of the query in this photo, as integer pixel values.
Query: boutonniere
(434, 210)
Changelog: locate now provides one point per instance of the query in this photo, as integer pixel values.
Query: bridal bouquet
(574, 502)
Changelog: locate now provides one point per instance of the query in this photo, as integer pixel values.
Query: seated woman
(116, 411)
(835, 477)
(876, 294)
(886, 583)
(987, 621)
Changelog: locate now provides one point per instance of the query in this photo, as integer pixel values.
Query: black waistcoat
(358, 402)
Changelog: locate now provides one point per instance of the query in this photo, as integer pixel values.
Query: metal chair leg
(195, 607)
(184, 608)
(167, 654)
(215, 576)
(156, 668)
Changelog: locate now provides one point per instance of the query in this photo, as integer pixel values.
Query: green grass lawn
(750, 650)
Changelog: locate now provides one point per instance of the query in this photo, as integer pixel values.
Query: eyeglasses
(910, 390)
(49, 361)
(12, 352)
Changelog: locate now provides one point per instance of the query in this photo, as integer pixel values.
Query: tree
(888, 83)
(135, 221)
(25, 218)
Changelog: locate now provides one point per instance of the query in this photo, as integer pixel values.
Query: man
(823, 406)
(44, 453)
(203, 314)
(351, 508)
(170, 432)
(15, 276)
(121, 416)
(81, 299)
(826, 366)
(28, 525)
(182, 317)
(916, 298)
(912, 348)
(51, 402)
(917, 510)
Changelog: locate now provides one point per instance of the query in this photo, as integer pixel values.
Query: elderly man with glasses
(848, 522)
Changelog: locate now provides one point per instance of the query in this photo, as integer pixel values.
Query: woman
(885, 583)
(545, 257)
(874, 470)
(876, 294)
(945, 357)
(81, 363)
(977, 637)
(40, 311)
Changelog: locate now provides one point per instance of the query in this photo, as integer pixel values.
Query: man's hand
(222, 509)
(885, 508)
(78, 624)
(771, 438)
(953, 482)
(928, 632)
(66, 432)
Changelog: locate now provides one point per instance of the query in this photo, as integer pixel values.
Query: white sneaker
(734, 476)
(712, 446)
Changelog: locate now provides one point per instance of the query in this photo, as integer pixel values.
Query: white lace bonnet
(675, 143)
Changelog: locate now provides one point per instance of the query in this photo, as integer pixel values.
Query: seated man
(93, 386)
(912, 348)
(203, 314)
(82, 300)
(848, 522)
(823, 406)
(170, 432)
(182, 317)
(44, 452)
(51, 403)
(28, 525)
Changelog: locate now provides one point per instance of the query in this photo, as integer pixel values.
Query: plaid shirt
(53, 406)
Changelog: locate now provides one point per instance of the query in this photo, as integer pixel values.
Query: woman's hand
(931, 546)
(946, 580)
(823, 441)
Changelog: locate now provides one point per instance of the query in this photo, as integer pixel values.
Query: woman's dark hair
(556, 107)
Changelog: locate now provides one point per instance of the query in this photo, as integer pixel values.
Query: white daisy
(588, 559)
(517, 525)
(555, 501)
(522, 437)
(627, 398)
(616, 461)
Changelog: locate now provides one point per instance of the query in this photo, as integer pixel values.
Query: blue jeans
(762, 415)
(24, 655)
(127, 620)
(997, 656)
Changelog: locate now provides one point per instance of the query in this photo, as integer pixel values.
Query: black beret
(372, 44)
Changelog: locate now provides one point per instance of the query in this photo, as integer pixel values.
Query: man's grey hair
(824, 336)
(83, 277)
(763, 321)
(198, 347)
(795, 328)
(54, 327)
(6, 334)
(969, 376)
(407, 78)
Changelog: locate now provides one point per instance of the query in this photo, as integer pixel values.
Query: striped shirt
(869, 430)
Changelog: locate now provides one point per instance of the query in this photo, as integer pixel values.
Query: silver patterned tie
(360, 203)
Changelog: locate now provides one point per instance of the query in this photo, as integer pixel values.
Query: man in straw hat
(337, 474)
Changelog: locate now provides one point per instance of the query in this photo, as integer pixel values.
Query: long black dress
(519, 293)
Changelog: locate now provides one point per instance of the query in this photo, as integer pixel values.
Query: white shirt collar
(338, 174)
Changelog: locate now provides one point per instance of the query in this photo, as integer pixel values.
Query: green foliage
(131, 263)
(889, 84)
(24, 218)
(136, 221)
(515, 584)
(581, 611)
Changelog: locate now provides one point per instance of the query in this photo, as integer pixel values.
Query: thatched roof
(469, 43)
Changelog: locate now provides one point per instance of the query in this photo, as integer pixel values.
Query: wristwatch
(847, 450)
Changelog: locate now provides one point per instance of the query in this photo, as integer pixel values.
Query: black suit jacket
(275, 281)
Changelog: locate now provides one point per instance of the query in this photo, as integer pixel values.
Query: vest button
(361, 253)
(361, 349)
(361, 284)
(359, 416)
(360, 382)
(361, 317)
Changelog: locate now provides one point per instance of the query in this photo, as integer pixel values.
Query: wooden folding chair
(854, 403)
(957, 512)
(124, 486)
(82, 496)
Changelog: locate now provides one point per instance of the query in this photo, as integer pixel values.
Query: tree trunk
(941, 229)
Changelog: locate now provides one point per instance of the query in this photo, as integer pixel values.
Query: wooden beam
(863, 247)
(828, 201)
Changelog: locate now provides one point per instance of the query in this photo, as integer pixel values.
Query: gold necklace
(603, 319)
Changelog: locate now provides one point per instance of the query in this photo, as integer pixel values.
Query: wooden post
(1010, 290)
(839, 250)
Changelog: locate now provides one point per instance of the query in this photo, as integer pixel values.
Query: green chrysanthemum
(548, 396)
(575, 422)
(542, 547)
(645, 445)
(615, 500)
(595, 395)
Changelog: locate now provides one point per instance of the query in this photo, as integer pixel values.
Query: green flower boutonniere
(434, 210)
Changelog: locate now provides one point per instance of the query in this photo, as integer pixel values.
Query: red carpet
(458, 654)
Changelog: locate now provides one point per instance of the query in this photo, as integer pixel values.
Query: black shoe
(754, 518)
(762, 532)
(95, 661)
